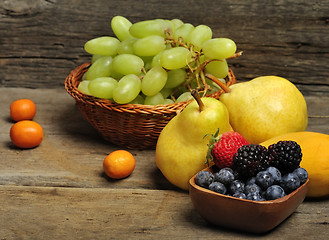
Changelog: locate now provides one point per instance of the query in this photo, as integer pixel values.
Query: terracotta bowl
(241, 214)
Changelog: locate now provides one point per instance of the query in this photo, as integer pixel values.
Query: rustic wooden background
(59, 190)
(42, 41)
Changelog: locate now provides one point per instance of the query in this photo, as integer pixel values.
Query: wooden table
(59, 190)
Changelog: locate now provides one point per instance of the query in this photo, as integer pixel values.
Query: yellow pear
(182, 145)
(265, 107)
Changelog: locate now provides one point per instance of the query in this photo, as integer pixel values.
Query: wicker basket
(132, 126)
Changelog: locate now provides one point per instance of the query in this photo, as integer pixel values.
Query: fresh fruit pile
(315, 159)
(24, 133)
(182, 145)
(258, 173)
(155, 62)
(265, 107)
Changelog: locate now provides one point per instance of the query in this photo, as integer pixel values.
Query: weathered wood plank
(58, 190)
(72, 152)
(42, 41)
(73, 213)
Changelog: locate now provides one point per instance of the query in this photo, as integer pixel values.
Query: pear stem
(197, 98)
(218, 82)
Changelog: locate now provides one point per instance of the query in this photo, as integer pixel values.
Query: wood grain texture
(72, 152)
(42, 41)
(75, 213)
(59, 190)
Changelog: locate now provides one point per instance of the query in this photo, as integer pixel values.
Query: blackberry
(249, 160)
(285, 156)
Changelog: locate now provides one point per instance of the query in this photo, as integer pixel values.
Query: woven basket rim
(75, 77)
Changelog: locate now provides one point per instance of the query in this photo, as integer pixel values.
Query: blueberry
(276, 174)
(204, 178)
(290, 182)
(228, 169)
(225, 176)
(218, 187)
(236, 186)
(302, 174)
(251, 188)
(256, 196)
(274, 192)
(264, 179)
(240, 195)
(251, 180)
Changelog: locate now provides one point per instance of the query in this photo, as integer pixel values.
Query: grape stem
(196, 67)
(225, 88)
(235, 55)
(197, 98)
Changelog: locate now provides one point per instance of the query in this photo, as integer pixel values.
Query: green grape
(127, 64)
(168, 101)
(166, 92)
(147, 62)
(154, 100)
(183, 31)
(102, 87)
(193, 84)
(100, 68)
(95, 57)
(156, 61)
(127, 89)
(83, 87)
(219, 48)
(149, 46)
(106, 46)
(120, 26)
(175, 58)
(176, 23)
(115, 75)
(153, 81)
(149, 27)
(138, 100)
(171, 24)
(218, 68)
(168, 46)
(199, 35)
(126, 46)
(83, 77)
(175, 78)
(186, 96)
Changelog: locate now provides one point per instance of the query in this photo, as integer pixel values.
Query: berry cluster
(258, 173)
(252, 158)
(268, 184)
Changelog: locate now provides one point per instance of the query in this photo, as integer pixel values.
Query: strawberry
(223, 147)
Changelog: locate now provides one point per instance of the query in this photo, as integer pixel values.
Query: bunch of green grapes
(155, 62)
